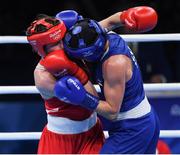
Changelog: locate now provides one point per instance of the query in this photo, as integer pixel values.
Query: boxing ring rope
(128, 38)
(37, 135)
(152, 90)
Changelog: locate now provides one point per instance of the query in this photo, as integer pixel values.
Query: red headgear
(53, 31)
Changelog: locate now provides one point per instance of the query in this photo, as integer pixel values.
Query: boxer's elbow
(107, 110)
(113, 112)
(112, 116)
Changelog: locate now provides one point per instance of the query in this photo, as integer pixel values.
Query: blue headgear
(85, 40)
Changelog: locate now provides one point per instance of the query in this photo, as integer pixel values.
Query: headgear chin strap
(78, 45)
(53, 31)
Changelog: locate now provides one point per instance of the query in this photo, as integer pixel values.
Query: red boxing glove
(58, 64)
(139, 19)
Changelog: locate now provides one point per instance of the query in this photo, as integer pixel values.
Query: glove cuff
(122, 17)
(81, 76)
(90, 101)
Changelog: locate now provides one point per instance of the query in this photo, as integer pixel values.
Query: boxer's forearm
(111, 21)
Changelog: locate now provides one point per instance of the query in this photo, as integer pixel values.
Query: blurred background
(16, 16)
(159, 61)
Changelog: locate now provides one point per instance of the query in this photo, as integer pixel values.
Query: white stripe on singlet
(140, 110)
(62, 125)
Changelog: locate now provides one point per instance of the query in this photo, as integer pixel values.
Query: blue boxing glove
(70, 90)
(69, 17)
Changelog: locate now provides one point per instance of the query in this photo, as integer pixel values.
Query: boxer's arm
(114, 86)
(111, 21)
(44, 82)
(116, 71)
(70, 17)
(136, 19)
(59, 65)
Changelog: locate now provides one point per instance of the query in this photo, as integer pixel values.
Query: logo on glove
(61, 73)
(74, 83)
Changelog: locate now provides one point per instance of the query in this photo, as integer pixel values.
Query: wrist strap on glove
(90, 101)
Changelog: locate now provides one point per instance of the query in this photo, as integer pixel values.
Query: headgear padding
(45, 31)
(85, 40)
